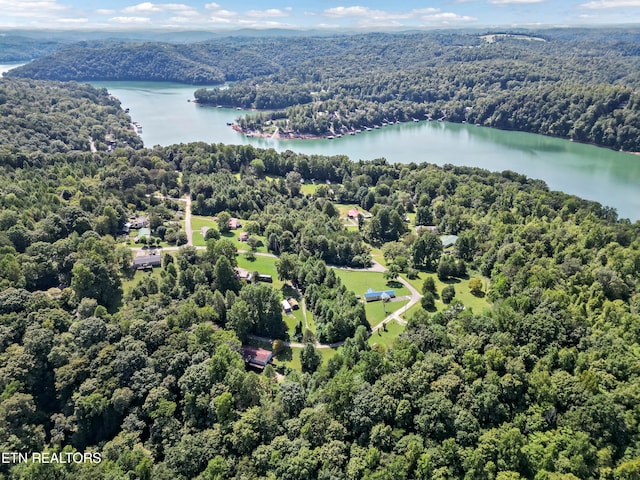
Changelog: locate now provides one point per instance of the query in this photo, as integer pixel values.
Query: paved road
(375, 267)
(414, 298)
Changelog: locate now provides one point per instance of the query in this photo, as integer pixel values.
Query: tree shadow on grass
(451, 281)
(289, 291)
(394, 284)
(285, 355)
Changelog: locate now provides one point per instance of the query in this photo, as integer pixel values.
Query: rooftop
(256, 357)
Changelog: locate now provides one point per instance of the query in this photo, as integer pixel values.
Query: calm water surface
(5, 67)
(611, 178)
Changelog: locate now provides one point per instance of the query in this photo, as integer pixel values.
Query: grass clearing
(376, 254)
(463, 292)
(378, 311)
(308, 188)
(388, 336)
(409, 313)
(359, 282)
(290, 356)
(291, 320)
(199, 221)
(262, 264)
(129, 283)
(234, 236)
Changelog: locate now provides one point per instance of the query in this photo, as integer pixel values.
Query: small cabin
(353, 213)
(294, 303)
(256, 357)
(286, 306)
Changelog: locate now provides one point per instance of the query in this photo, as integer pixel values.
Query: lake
(612, 178)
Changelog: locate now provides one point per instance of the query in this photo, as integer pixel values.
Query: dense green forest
(577, 84)
(37, 118)
(542, 383)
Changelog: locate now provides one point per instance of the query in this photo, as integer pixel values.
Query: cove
(612, 178)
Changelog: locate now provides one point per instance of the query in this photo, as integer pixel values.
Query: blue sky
(303, 14)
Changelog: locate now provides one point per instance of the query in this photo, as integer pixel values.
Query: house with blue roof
(372, 295)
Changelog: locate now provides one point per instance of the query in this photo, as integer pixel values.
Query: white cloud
(226, 14)
(73, 20)
(179, 20)
(212, 6)
(368, 17)
(367, 14)
(346, 11)
(447, 18)
(598, 4)
(30, 8)
(148, 7)
(514, 2)
(263, 24)
(105, 11)
(131, 20)
(270, 13)
(425, 11)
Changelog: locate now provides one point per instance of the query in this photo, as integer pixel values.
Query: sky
(312, 14)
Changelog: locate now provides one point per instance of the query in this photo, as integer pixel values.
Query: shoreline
(289, 135)
(278, 134)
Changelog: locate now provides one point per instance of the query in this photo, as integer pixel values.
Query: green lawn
(343, 208)
(409, 313)
(290, 356)
(377, 255)
(463, 293)
(325, 353)
(198, 239)
(299, 317)
(308, 188)
(199, 221)
(310, 321)
(388, 336)
(129, 283)
(360, 282)
(234, 235)
(262, 264)
(292, 320)
(377, 311)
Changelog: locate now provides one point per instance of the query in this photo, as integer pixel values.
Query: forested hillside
(577, 84)
(38, 118)
(145, 368)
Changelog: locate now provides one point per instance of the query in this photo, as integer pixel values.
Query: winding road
(375, 267)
